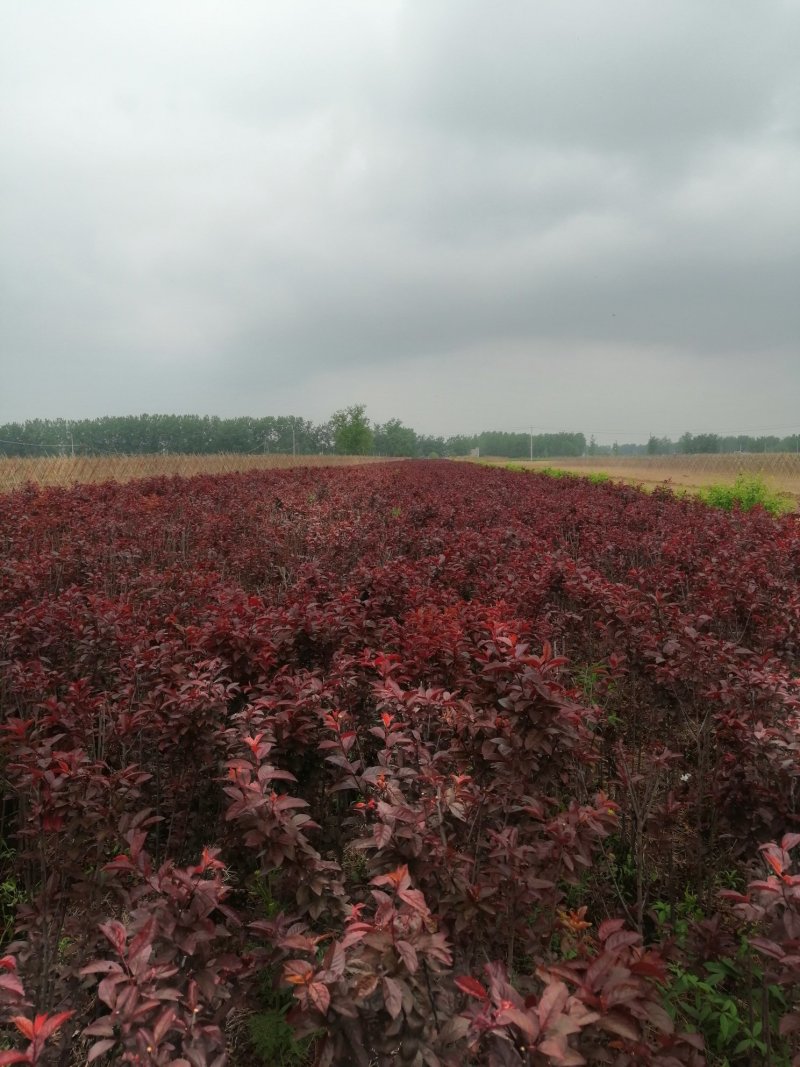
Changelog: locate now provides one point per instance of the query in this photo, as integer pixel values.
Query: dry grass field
(69, 470)
(780, 471)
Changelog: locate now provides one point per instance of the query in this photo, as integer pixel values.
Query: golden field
(69, 470)
(780, 470)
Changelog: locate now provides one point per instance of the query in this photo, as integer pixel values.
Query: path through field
(780, 471)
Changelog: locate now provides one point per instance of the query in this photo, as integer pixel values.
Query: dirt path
(779, 471)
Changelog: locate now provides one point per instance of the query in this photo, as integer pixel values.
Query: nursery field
(415, 763)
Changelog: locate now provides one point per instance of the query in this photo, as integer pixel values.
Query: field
(780, 470)
(71, 470)
(406, 764)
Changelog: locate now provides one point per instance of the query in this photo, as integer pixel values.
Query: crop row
(410, 764)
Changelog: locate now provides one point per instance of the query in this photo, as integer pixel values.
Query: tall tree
(395, 439)
(352, 432)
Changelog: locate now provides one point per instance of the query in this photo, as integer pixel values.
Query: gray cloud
(212, 207)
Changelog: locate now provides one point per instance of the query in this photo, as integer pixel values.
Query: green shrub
(554, 472)
(747, 492)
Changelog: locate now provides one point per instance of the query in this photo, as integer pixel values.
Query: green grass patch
(595, 477)
(553, 472)
(746, 493)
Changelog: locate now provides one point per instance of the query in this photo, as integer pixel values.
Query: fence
(68, 470)
(781, 469)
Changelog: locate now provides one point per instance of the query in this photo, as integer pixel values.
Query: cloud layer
(567, 214)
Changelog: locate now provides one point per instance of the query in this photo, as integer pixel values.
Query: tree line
(691, 444)
(347, 432)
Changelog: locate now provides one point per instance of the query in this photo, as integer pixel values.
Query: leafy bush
(746, 493)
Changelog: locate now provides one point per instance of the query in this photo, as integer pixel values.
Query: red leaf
(10, 984)
(528, 1024)
(334, 961)
(101, 967)
(649, 966)
(552, 1001)
(599, 970)
(45, 1026)
(107, 990)
(767, 947)
(416, 900)
(397, 878)
(392, 996)
(789, 1024)
(471, 986)
(141, 946)
(622, 939)
(617, 1022)
(775, 862)
(99, 1047)
(163, 1024)
(115, 933)
(102, 1027)
(408, 954)
(320, 996)
(297, 972)
(119, 863)
(382, 834)
(25, 1026)
(609, 927)
(659, 1018)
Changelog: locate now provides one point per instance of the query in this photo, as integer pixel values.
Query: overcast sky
(570, 214)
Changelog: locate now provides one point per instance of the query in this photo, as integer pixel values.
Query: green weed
(11, 896)
(726, 1000)
(746, 493)
(274, 1040)
(271, 1035)
(554, 472)
(261, 889)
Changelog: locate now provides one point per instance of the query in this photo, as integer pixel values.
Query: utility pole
(531, 433)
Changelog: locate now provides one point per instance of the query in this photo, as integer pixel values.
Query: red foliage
(433, 708)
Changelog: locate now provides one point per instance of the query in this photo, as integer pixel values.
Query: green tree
(701, 442)
(459, 445)
(352, 432)
(395, 439)
(429, 445)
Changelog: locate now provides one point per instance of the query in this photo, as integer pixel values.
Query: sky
(558, 214)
